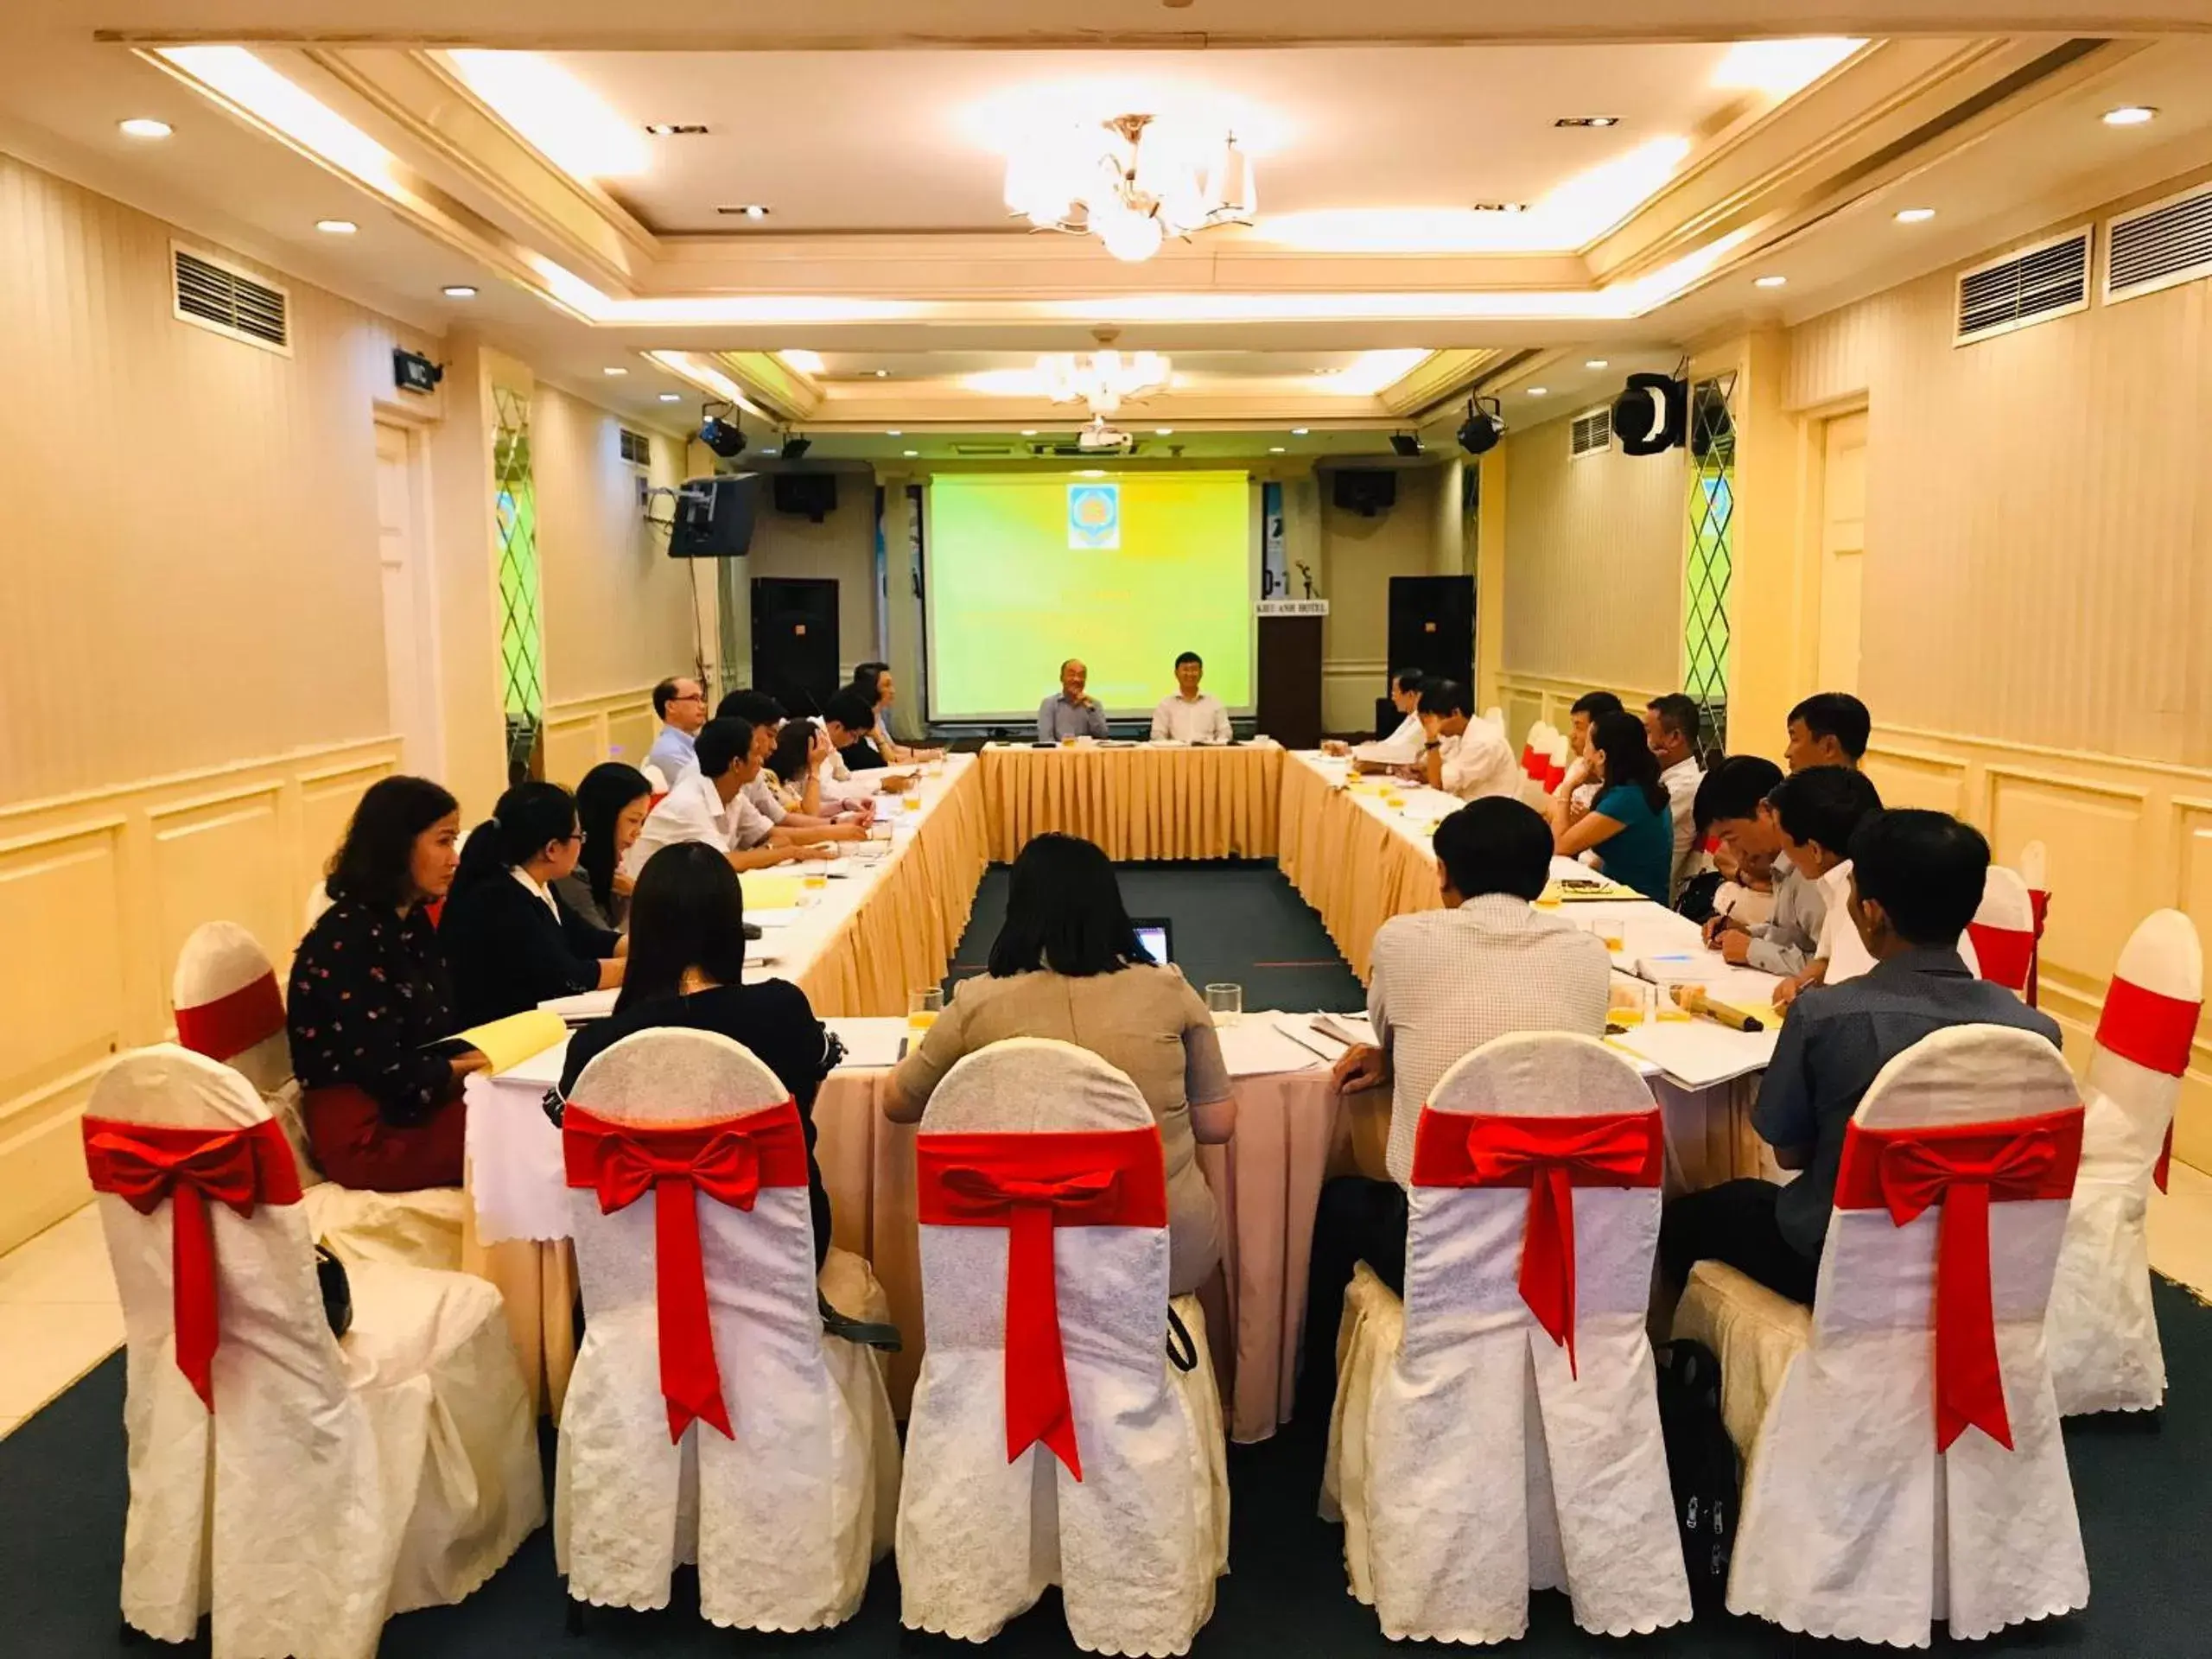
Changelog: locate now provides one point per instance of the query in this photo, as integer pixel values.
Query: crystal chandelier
(1131, 182)
(1103, 378)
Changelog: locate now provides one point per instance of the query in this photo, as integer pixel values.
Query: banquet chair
(2103, 1335)
(2035, 864)
(653, 775)
(1910, 1467)
(301, 1487)
(1496, 1431)
(1052, 1438)
(229, 1008)
(2003, 932)
(710, 1419)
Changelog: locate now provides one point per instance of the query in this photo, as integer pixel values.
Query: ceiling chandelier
(1132, 183)
(1102, 379)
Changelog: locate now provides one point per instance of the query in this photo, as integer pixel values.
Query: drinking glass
(923, 1009)
(1225, 1002)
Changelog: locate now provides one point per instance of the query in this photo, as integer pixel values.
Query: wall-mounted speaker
(1366, 490)
(1651, 415)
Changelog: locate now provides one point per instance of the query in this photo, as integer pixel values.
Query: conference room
(1202, 828)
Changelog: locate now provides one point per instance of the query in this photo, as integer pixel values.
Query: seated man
(1445, 983)
(1068, 713)
(767, 717)
(1461, 755)
(1578, 784)
(1672, 723)
(1402, 746)
(1731, 808)
(1188, 714)
(710, 807)
(1829, 728)
(681, 703)
(1915, 880)
(1804, 826)
(851, 724)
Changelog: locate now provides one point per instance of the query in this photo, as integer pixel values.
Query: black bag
(1701, 1468)
(337, 1291)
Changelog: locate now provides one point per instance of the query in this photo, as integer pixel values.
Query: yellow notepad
(765, 890)
(508, 1043)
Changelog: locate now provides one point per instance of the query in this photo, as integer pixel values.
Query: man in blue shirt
(682, 705)
(1916, 881)
(1068, 713)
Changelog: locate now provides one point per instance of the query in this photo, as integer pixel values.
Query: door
(795, 640)
(1843, 547)
(409, 642)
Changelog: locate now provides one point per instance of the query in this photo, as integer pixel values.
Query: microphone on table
(1693, 999)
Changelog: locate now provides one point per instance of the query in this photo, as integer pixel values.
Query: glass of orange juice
(923, 1009)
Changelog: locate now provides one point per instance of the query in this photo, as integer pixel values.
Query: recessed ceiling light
(1300, 431)
(1092, 472)
(1914, 215)
(145, 126)
(1163, 432)
(1769, 281)
(336, 227)
(676, 129)
(1539, 392)
(910, 454)
(458, 291)
(894, 433)
(1587, 121)
(1597, 363)
(768, 451)
(2130, 115)
(1028, 431)
(671, 397)
(614, 368)
(745, 210)
(883, 374)
(1275, 449)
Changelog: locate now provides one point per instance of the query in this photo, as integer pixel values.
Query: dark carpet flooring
(2141, 1482)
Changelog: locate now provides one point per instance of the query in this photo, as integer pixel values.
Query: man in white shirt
(1462, 755)
(682, 705)
(710, 807)
(1671, 725)
(1402, 746)
(766, 716)
(1190, 715)
(1445, 983)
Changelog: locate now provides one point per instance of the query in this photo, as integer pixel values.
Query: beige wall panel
(1915, 777)
(842, 547)
(222, 859)
(327, 799)
(1359, 556)
(573, 748)
(2092, 834)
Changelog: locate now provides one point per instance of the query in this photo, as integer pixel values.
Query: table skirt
(1137, 804)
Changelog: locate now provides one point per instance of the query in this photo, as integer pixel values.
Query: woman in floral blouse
(370, 1004)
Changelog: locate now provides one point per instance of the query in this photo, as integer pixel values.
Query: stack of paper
(1254, 1047)
(768, 890)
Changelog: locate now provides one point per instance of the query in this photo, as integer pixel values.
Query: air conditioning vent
(637, 447)
(2158, 246)
(2050, 280)
(225, 300)
(1591, 433)
(985, 451)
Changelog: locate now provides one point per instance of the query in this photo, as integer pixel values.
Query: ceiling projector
(1099, 435)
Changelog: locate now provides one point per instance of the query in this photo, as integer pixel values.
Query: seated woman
(1067, 965)
(510, 942)
(1629, 823)
(687, 935)
(368, 998)
(611, 806)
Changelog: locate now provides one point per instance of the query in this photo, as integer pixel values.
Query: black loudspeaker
(1408, 444)
(714, 516)
(1651, 415)
(1433, 626)
(1363, 490)
(807, 495)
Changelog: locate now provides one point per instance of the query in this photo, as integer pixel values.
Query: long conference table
(888, 924)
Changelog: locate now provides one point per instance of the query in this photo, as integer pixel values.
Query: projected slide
(1125, 572)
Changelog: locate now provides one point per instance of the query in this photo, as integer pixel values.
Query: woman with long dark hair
(370, 1002)
(1629, 824)
(687, 954)
(509, 940)
(793, 768)
(1067, 965)
(611, 806)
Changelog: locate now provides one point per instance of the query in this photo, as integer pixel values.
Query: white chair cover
(1854, 1526)
(337, 1481)
(1136, 1544)
(1469, 1464)
(2003, 931)
(2104, 1338)
(654, 776)
(785, 1518)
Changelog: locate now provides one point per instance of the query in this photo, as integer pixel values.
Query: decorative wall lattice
(522, 637)
(1712, 552)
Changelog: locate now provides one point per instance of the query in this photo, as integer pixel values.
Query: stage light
(722, 434)
(1480, 431)
(795, 447)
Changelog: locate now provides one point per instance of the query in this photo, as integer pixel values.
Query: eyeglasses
(690, 696)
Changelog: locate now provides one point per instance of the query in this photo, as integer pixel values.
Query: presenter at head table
(1190, 715)
(1068, 713)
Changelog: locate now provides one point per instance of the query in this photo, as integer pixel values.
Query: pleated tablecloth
(1148, 802)
(1347, 859)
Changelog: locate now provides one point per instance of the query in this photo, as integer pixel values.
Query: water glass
(1225, 1002)
(923, 1009)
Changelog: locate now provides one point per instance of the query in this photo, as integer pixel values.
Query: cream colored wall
(1358, 558)
(842, 547)
(619, 612)
(192, 665)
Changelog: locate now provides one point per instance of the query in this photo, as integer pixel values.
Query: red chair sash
(2008, 955)
(1550, 1156)
(1554, 774)
(231, 1025)
(1531, 762)
(1963, 1168)
(730, 1161)
(144, 1163)
(1032, 1184)
(2155, 1031)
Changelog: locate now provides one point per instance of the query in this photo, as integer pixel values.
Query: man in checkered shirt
(1445, 983)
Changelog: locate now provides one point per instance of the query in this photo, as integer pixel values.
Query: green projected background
(1008, 598)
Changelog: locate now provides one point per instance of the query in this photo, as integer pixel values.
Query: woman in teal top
(1628, 824)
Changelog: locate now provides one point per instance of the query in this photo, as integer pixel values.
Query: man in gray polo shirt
(1068, 712)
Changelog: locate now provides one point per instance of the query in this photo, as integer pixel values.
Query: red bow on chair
(1550, 1156)
(1030, 1185)
(231, 1025)
(2155, 1031)
(1963, 1168)
(2008, 955)
(730, 1162)
(143, 1164)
